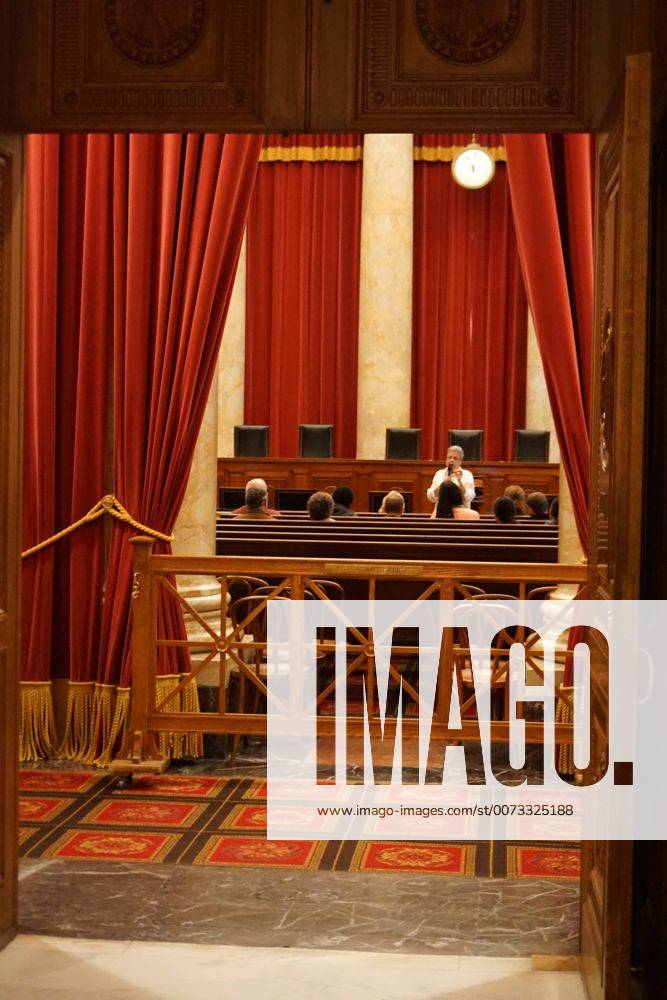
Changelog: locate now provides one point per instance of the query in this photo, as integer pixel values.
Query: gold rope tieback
(109, 504)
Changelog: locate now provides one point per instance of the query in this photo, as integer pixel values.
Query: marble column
(195, 525)
(539, 417)
(538, 408)
(195, 533)
(231, 364)
(569, 547)
(385, 293)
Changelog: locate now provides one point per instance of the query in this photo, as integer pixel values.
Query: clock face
(473, 167)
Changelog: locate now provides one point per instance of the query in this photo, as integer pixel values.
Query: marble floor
(47, 968)
(400, 914)
(300, 909)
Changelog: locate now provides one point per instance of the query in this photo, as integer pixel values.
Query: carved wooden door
(617, 445)
(10, 480)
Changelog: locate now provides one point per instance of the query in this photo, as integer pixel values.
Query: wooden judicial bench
(378, 476)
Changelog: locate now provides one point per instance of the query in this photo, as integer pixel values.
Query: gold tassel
(169, 743)
(101, 721)
(76, 741)
(565, 760)
(193, 742)
(37, 726)
(113, 734)
(109, 722)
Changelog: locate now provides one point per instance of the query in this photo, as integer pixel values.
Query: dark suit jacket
(340, 511)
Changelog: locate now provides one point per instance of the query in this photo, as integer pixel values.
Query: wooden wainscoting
(367, 476)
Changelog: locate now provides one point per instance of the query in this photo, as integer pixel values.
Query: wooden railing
(240, 648)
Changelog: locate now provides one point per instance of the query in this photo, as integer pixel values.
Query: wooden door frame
(11, 426)
(12, 319)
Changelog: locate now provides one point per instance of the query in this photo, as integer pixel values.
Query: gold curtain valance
(311, 154)
(445, 154)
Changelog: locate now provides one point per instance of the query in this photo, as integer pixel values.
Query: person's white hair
(257, 484)
(457, 448)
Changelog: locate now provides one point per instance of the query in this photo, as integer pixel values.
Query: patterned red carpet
(204, 820)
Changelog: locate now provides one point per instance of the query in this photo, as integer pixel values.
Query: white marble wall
(195, 526)
(538, 417)
(538, 409)
(385, 293)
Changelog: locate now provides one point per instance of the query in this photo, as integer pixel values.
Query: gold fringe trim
(193, 743)
(95, 722)
(565, 756)
(76, 740)
(110, 720)
(179, 745)
(311, 154)
(168, 743)
(37, 726)
(113, 727)
(105, 707)
(445, 154)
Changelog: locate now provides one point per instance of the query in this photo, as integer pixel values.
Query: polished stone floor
(347, 910)
(403, 914)
(42, 968)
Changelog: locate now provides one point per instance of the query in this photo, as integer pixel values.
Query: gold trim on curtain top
(445, 154)
(310, 154)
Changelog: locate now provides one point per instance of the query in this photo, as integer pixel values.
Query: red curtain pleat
(68, 318)
(181, 207)
(39, 434)
(552, 199)
(132, 247)
(469, 310)
(303, 300)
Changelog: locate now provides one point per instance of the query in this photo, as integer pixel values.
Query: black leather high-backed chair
(403, 443)
(251, 440)
(531, 446)
(293, 499)
(230, 497)
(316, 440)
(472, 443)
(375, 498)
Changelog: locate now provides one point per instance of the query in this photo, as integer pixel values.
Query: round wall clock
(473, 167)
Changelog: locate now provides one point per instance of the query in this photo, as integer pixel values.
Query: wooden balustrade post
(139, 753)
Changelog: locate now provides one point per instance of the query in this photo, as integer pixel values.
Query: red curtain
(551, 181)
(131, 258)
(303, 290)
(68, 286)
(469, 306)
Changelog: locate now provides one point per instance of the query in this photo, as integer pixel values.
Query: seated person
(538, 506)
(518, 498)
(462, 477)
(343, 498)
(255, 505)
(393, 505)
(259, 484)
(450, 503)
(553, 511)
(504, 510)
(320, 506)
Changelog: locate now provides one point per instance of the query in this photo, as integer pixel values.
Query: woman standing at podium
(462, 477)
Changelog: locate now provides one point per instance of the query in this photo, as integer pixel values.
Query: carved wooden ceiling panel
(140, 58)
(321, 65)
(424, 63)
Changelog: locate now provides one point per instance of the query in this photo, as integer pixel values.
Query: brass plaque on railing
(370, 569)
